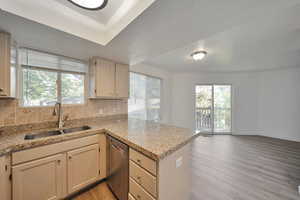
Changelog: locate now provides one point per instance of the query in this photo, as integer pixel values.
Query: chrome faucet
(58, 111)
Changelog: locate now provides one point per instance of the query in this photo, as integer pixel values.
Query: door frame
(231, 107)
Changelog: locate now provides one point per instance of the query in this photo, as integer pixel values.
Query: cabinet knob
(138, 160)
(70, 157)
(138, 196)
(1, 90)
(139, 179)
(58, 161)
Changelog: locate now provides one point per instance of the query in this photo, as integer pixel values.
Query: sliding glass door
(213, 108)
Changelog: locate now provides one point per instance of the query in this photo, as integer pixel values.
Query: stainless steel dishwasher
(118, 163)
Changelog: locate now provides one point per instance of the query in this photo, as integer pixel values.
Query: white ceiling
(99, 26)
(239, 35)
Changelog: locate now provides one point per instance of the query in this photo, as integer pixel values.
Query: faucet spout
(58, 111)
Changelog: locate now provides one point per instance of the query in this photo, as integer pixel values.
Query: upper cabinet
(8, 65)
(108, 80)
(122, 81)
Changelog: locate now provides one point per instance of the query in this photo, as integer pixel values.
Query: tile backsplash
(13, 114)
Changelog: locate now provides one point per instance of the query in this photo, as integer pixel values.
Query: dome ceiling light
(198, 55)
(90, 4)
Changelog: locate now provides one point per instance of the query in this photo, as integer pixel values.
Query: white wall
(264, 103)
(279, 106)
(245, 99)
(166, 87)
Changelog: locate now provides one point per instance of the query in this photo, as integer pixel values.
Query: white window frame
(58, 84)
(161, 90)
(231, 110)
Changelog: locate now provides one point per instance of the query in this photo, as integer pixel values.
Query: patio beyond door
(213, 109)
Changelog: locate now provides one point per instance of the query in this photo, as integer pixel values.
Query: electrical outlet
(178, 162)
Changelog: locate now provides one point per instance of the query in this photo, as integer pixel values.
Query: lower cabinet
(37, 174)
(5, 183)
(42, 179)
(83, 167)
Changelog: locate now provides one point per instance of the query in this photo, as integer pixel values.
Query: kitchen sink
(72, 130)
(43, 134)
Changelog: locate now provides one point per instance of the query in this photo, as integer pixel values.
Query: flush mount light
(90, 4)
(199, 55)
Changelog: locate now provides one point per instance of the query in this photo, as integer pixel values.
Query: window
(213, 108)
(47, 79)
(144, 101)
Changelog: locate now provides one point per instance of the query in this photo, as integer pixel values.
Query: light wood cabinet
(130, 197)
(42, 179)
(5, 183)
(108, 80)
(122, 81)
(83, 167)
(143, 178)
(143, 181)
(5, 47)
(143, 161)
(138, 192)
(105, 78)
(57, 170)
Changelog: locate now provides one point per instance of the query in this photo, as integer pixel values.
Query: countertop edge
(62, 138)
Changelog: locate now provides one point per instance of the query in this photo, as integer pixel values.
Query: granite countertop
(152, 139)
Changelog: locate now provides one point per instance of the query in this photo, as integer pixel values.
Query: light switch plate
(178, 162)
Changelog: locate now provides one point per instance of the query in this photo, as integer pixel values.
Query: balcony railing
(204, 119)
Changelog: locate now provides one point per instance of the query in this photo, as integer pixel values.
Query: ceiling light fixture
(198, 55)
(90, 4)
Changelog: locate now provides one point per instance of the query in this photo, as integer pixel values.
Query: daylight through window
(144, 101)
(47, 79)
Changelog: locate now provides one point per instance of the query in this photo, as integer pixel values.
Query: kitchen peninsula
(158, 159)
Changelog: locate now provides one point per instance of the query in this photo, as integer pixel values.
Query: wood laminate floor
(100, 192)
(245, 168)
(237, 168)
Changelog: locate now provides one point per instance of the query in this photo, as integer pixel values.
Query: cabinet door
(122, 81)
(83, 167)
(105, 79)
(43, 179)
(5, 183)
(5, 43)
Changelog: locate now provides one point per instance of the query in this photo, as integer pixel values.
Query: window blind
(33, 58)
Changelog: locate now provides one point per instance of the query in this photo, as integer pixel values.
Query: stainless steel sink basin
(72, 130)
(43, 134)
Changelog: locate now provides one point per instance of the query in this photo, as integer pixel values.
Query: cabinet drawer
(130, 197)
(143, 161)
(142, 177)
(52, 149)
(138, 192)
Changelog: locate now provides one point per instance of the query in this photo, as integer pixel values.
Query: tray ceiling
(97, 26)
